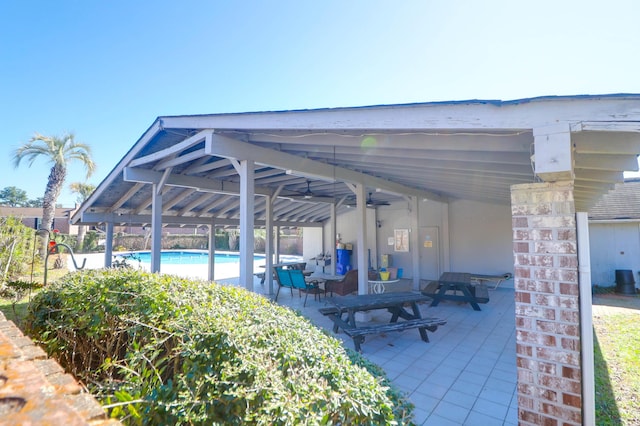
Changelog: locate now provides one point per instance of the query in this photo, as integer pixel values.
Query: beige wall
(481, 237)
(480, 234)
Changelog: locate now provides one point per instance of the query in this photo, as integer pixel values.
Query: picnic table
(395, 303)
(457, 286)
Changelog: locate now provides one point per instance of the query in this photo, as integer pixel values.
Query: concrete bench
(422, 324)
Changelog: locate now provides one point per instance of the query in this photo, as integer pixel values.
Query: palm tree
(83, 190)
(60, 151)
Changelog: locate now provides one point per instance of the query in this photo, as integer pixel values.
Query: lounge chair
(347, 285)
(283, 279)
(298, 281)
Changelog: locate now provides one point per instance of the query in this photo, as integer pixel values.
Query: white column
(277, 241)
(268, 243)
(586, 320)
(333, 232)
(414, 242)
(445, 253)
(361, 218)
(246, 172)
(156, 228)
(212, 250)
(108, 245)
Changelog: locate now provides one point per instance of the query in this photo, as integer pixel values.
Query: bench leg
(357, 340)
(423, 334)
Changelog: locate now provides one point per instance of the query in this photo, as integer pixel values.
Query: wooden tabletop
(366, 302)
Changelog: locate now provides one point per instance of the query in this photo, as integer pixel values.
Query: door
(429, 242)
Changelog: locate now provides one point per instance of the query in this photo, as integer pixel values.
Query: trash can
(625, 284)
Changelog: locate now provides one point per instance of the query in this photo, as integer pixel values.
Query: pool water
(177, 257)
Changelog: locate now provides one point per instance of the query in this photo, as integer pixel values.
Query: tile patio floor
(465, 375)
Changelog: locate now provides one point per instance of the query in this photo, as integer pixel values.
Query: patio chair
(298, 281)
(347, 285)
(283, 279)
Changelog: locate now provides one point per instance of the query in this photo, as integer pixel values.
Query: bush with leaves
(158, 349)
(17, 248)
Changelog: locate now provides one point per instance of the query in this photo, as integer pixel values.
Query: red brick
(535, 311)
(571, 289)
(570, 344)
(557, 328)
(571, 373)
(569, 302)
(523, 297)
(547, 368)
(546, 274)
(548, 395)
(572, 400)
(560, 384)
(522, 273)
(570, 316)
(559, 355)
(569, 275)
(528, 416)
(568, 261)
(548, 421)
(567, 234)
(520, 222)
(524, 323)
(546, 300)
(537, 338)
(565, 413)
(522, 349)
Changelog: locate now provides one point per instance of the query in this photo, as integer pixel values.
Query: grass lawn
(616, 324)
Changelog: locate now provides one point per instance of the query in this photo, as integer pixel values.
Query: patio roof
(308, 159)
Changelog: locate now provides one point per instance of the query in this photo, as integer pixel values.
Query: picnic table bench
(457, 286)
(394, 303)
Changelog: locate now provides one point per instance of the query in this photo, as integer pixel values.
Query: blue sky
(106, 69)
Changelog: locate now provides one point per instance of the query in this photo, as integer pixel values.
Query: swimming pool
(179, 257)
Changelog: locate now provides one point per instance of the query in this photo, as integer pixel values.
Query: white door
(429, 242)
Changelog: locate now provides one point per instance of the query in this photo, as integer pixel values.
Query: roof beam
(179, 220)
(131, 174)
(224, 146)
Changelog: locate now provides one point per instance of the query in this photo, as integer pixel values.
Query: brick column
(547, 305)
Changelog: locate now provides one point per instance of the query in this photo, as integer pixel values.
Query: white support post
(277, 245)
(445, 254)
(361, 248)
(108, 245)
(414, 242)
(268, 244)
(586, 320)
(212, 250)
(333, 232)
(246, 171)
(156, 228)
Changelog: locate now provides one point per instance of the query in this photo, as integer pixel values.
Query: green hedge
(158, 349)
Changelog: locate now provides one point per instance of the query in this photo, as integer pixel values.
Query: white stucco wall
(481, 237)
(614, 246)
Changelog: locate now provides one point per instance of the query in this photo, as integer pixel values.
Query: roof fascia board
(606, 126)
(456, 115)
(180, 220)
(227, 147)
(151, 132)
(173, 149)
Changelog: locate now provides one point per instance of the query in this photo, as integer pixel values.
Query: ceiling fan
(370, 202)
(308, 194)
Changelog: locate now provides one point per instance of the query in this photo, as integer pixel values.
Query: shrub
(185, 352)
(17, 248)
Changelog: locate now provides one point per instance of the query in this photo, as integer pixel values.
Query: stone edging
(35, 390)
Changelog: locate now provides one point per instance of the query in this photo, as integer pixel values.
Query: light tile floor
(465, 375)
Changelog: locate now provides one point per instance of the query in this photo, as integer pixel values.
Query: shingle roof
(623, 202)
